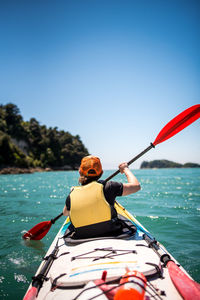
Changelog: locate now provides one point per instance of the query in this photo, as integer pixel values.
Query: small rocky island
(163, 163)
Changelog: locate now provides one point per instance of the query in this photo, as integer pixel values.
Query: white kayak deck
(77, 265)
(80, 264)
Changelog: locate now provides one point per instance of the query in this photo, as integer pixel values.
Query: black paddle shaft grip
(131, 161)
(56, 218)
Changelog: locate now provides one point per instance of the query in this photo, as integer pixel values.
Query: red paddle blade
(188, 288)
(177, 124)
(38, 231)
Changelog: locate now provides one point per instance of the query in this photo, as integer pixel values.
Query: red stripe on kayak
(31, 295)
(188, 288)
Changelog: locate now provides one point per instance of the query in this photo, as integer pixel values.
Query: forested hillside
(28, 144)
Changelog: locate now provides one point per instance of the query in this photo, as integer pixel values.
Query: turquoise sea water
(168, 206)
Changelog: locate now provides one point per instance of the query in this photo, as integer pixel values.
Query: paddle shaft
(131, 161)
(56, 218)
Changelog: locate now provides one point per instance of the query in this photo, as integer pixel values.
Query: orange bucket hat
(90, 166)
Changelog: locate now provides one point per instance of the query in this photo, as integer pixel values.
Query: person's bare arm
(133, 185)
(65, 211)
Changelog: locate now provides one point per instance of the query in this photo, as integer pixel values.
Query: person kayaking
(91, 205)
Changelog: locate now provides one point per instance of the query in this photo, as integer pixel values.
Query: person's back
(91, 206)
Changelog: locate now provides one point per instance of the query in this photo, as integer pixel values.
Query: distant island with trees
(28, 146)
(163, 163)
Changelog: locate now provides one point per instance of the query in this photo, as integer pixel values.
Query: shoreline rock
(16, 170)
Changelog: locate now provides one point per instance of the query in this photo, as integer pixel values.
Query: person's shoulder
(114, 182)
(110, 184)
(113, 188)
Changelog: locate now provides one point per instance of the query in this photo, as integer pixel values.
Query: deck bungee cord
(54, 255)
(114, 288)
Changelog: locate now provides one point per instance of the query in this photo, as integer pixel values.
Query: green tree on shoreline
(27, 144)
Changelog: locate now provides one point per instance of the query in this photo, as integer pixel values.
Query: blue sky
(114, 72)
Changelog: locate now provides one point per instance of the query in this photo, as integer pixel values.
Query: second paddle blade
(38, 231)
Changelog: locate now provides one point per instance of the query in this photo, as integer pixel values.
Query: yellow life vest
(88, 205)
